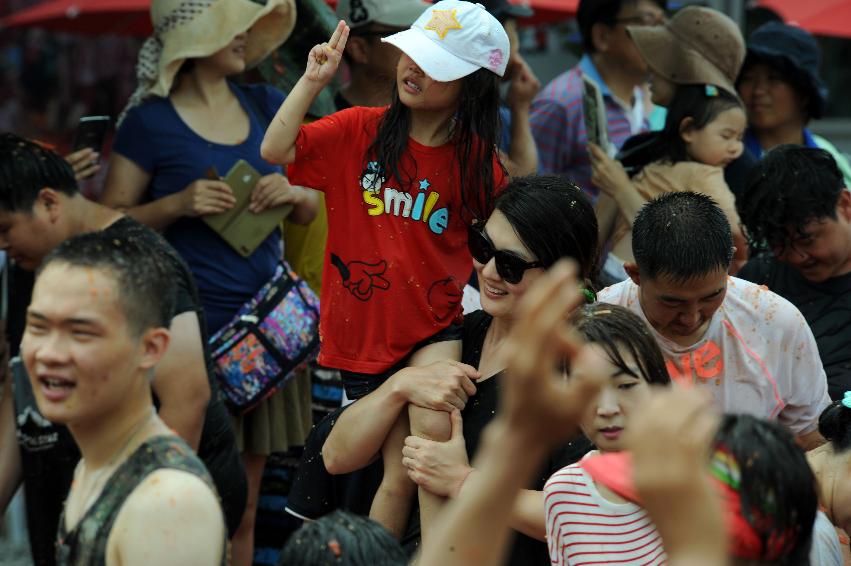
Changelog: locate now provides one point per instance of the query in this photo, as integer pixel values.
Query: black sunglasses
(510, 267)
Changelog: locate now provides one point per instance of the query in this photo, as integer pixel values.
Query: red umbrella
(131, 17)
(551, 10)
(126, 17)
(821, 17)
(545, 10)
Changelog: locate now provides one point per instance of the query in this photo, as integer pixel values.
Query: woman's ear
(687, 129)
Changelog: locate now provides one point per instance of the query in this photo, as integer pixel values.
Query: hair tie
(711, 91)
(591, 297)
(847, 400)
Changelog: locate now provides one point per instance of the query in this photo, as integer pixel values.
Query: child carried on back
(702, 135)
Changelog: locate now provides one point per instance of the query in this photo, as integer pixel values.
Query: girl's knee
(429, 424)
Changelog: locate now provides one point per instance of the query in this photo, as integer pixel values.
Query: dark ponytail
(834, 425)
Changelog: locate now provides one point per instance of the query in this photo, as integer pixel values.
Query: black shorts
(315, 492)
(359, 385)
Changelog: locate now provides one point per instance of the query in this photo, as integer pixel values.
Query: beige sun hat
(698, 46)
(187, 29)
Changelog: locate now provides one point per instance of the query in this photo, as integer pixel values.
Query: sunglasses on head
(510, 267)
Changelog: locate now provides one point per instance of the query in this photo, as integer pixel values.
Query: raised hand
(524, 85)
(323, 59)
(537, 401)
(670, 441)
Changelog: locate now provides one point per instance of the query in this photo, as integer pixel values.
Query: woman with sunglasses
(537, 221)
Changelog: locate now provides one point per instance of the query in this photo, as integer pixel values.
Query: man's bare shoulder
(171, 518)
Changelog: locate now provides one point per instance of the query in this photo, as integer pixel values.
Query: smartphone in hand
(90, 133)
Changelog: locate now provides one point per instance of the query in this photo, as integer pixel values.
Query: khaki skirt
(280, 422)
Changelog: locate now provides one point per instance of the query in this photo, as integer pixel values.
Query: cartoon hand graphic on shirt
(444, 298)
(360, 278)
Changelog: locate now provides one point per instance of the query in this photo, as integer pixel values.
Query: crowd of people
(551, 350)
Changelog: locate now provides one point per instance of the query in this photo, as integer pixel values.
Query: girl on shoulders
(402, 184)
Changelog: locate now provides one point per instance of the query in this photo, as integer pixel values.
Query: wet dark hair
(342, 538)
(26, 168)
(475, 135)
(776, 482)
(592, 12)
(834, 424)
(616, 328)
(791, 185)
(690, 101)
(681, 236)
(147, 290)
(553, 219)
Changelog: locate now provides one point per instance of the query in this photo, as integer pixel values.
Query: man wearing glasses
(372, 63)
(612, 60)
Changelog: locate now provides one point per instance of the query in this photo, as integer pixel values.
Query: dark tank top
(85, 545)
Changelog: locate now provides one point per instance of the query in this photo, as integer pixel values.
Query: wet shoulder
(622, 293)
(749, 304)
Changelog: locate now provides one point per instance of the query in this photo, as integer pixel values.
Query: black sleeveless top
(86, 544)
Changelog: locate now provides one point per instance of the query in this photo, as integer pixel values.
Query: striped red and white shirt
(584, 528)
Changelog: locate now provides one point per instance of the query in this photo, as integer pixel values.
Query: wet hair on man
(27, 167)
(681, 236)
(145, 281)
(344, 539)
(792, 186)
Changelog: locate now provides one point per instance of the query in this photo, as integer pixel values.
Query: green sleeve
(841, 159)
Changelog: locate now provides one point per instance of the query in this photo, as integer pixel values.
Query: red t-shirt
(396, 260)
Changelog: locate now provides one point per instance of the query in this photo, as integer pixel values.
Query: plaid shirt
(559, 127)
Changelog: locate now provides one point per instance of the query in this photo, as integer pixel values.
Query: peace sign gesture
(323, 59)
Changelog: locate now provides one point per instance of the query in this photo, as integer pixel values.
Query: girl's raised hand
(323, 59)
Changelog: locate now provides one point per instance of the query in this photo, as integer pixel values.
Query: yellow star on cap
(442, 21)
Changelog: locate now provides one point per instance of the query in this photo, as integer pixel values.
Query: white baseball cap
(453, 39)
(393, 13)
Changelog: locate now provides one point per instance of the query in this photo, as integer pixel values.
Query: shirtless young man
(96, 328)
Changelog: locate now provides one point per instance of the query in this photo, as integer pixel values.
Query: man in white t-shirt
(749, 347)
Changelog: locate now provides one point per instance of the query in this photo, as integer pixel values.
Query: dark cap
(504, 10)
(796, 53)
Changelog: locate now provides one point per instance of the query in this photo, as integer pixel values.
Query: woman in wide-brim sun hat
(697, 46)
(195, 29)
(186, 119)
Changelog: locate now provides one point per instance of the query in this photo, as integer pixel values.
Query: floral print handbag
(270, 337)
